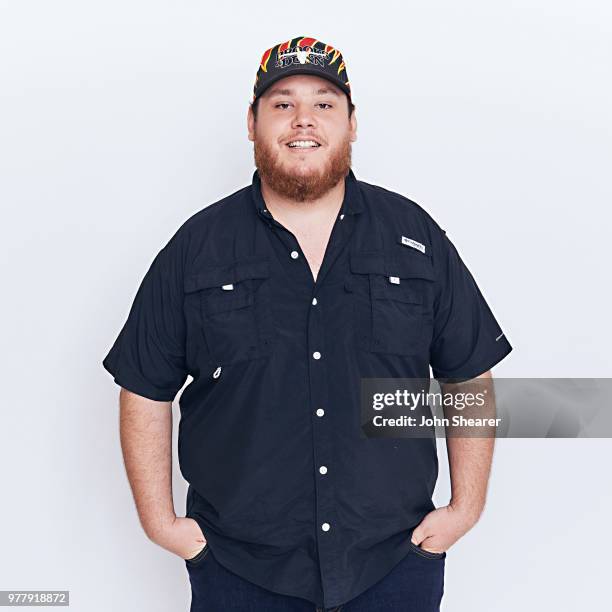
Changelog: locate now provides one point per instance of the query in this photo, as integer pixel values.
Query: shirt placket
(328, 529)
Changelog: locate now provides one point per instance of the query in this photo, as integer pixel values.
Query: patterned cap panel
(304, 55)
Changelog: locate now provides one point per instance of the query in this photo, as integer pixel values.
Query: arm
(470, 464)
(146, 441)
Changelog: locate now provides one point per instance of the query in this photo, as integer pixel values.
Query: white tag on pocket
(394, 279)
(413, 243)
(227, 287)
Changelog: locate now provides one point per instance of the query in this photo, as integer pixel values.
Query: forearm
(146, 442)
(470, 451)
(470, 466)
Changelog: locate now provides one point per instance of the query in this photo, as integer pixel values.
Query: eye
(287, 104)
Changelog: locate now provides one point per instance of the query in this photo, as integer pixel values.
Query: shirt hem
(222, 560)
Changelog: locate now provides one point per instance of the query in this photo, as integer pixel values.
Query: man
(278, 300)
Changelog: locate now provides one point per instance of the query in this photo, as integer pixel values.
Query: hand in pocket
(197, 540)
(183, 537)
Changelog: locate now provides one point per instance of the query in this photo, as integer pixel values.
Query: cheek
(271, 146)
(270, 134)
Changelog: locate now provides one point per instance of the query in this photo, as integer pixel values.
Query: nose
(304, 117)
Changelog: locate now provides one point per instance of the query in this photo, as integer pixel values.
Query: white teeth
(303, 143)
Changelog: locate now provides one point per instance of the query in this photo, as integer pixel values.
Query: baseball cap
(301, 55)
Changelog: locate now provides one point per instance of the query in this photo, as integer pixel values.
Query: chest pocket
(233, 309)
(392, 301)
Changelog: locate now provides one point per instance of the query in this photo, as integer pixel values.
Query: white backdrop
(119, 120)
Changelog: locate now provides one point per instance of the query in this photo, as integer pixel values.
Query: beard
(298, 186)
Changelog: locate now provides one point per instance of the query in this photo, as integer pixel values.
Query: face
(302, 108)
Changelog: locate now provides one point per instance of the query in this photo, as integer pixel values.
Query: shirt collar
(352, 203)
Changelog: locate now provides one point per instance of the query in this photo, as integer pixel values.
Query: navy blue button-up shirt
(287, 491)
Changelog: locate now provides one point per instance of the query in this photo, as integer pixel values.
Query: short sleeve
(467, 339)
(148, 356)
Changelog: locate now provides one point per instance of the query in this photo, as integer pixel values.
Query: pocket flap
(376, 262)
(226, 300)
(225, 274)
(383, 288)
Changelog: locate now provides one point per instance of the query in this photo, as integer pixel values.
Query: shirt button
(316, 355)
(325, 526)
(323, 469)
(320, 412)
(341, 217)
(294, 254)
(314, 301)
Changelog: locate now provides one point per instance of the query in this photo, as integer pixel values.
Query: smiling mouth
(303, 145)
(303, 149)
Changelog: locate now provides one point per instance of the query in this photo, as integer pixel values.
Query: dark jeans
(415, 584)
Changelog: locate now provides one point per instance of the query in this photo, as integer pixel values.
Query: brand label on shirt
(413, 243)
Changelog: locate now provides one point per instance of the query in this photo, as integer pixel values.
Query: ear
(251, 124)
(353, 125)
